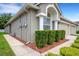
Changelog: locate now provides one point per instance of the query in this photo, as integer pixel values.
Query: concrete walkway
(21, 50)
(56, 50)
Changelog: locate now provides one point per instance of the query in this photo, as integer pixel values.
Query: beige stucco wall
(63, 26)
(69, 28)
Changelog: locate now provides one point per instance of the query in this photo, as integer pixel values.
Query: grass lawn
(5, 49)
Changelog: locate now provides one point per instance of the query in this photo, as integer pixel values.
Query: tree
(4, 18)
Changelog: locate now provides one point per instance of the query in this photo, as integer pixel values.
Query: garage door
(65, 27)
(72, 29)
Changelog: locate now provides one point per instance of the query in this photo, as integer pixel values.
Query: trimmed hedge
(69, 51)
(43, 37)
(77, 32)
(76, 41)
(76, 45)
(52, 54)
(63, 34)
(51, 37)
(77, 38)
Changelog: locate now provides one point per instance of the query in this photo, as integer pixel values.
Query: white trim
(56, 25)
(41, 23)
(40, 14)
(53, 8)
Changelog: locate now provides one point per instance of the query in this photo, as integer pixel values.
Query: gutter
(67, 20)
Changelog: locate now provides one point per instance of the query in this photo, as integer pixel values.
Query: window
(46, 24)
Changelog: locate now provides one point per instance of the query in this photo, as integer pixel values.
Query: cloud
(9, 8)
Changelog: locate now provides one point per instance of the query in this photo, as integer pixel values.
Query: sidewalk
(19, 48)
(56, 50)
(22, 50)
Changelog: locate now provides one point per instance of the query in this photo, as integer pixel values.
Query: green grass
(5, 49)
(52, 54)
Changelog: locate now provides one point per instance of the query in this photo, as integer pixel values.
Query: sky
(69, 10)
(10, 7)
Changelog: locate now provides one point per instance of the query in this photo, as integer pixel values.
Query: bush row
(52, 54)
(69, 51)
(77, 31)
(43, 37)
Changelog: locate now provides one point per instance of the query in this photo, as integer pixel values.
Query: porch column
(56, 25)
(41, 23)
(41, 20)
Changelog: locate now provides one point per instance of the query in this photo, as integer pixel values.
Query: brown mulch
(47, 47)
(41, 50)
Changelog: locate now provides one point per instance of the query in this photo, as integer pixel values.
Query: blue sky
(10, 7)
(69, 10)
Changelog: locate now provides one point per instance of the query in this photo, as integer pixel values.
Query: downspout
(30, 25)
(21, 27)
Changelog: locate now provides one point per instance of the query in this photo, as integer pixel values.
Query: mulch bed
(41, 50)
(47, 47)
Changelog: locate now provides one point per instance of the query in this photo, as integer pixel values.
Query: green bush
(77, 38)
(59, 35)
(51, 37)
(51, 54)
(76, 41)
(77, 32)
(69, 51)
(63, 34)
(41, 38)
(76, 45)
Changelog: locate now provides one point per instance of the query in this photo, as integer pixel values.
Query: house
(77, 22)
(38, 16)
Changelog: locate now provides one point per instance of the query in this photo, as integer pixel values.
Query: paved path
(21, 50)
(56, 50)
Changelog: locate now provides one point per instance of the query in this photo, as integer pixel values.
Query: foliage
(51, 54)
(76, 45)
(69, 51)
(43, 37)
(5, 49)
(76, 41)
(77, 31)
(51, 36)
(4, 18)
(62, 34)
(77, 38)
(58, 36)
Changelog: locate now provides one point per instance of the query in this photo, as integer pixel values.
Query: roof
(21, 11)
(35, 7)
(67, 20)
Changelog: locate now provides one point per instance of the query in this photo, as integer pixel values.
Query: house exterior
(38, 16)
(77, 22)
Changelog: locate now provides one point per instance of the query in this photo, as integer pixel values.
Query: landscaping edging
(47, 47)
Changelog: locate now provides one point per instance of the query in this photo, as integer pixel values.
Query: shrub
(77, 32)
(51, 54)
(63, 34)
(76, 45)
(76, 41)
(59, 34)
(41, 38)
(51, 37)
(69, 51)
(77, 38)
